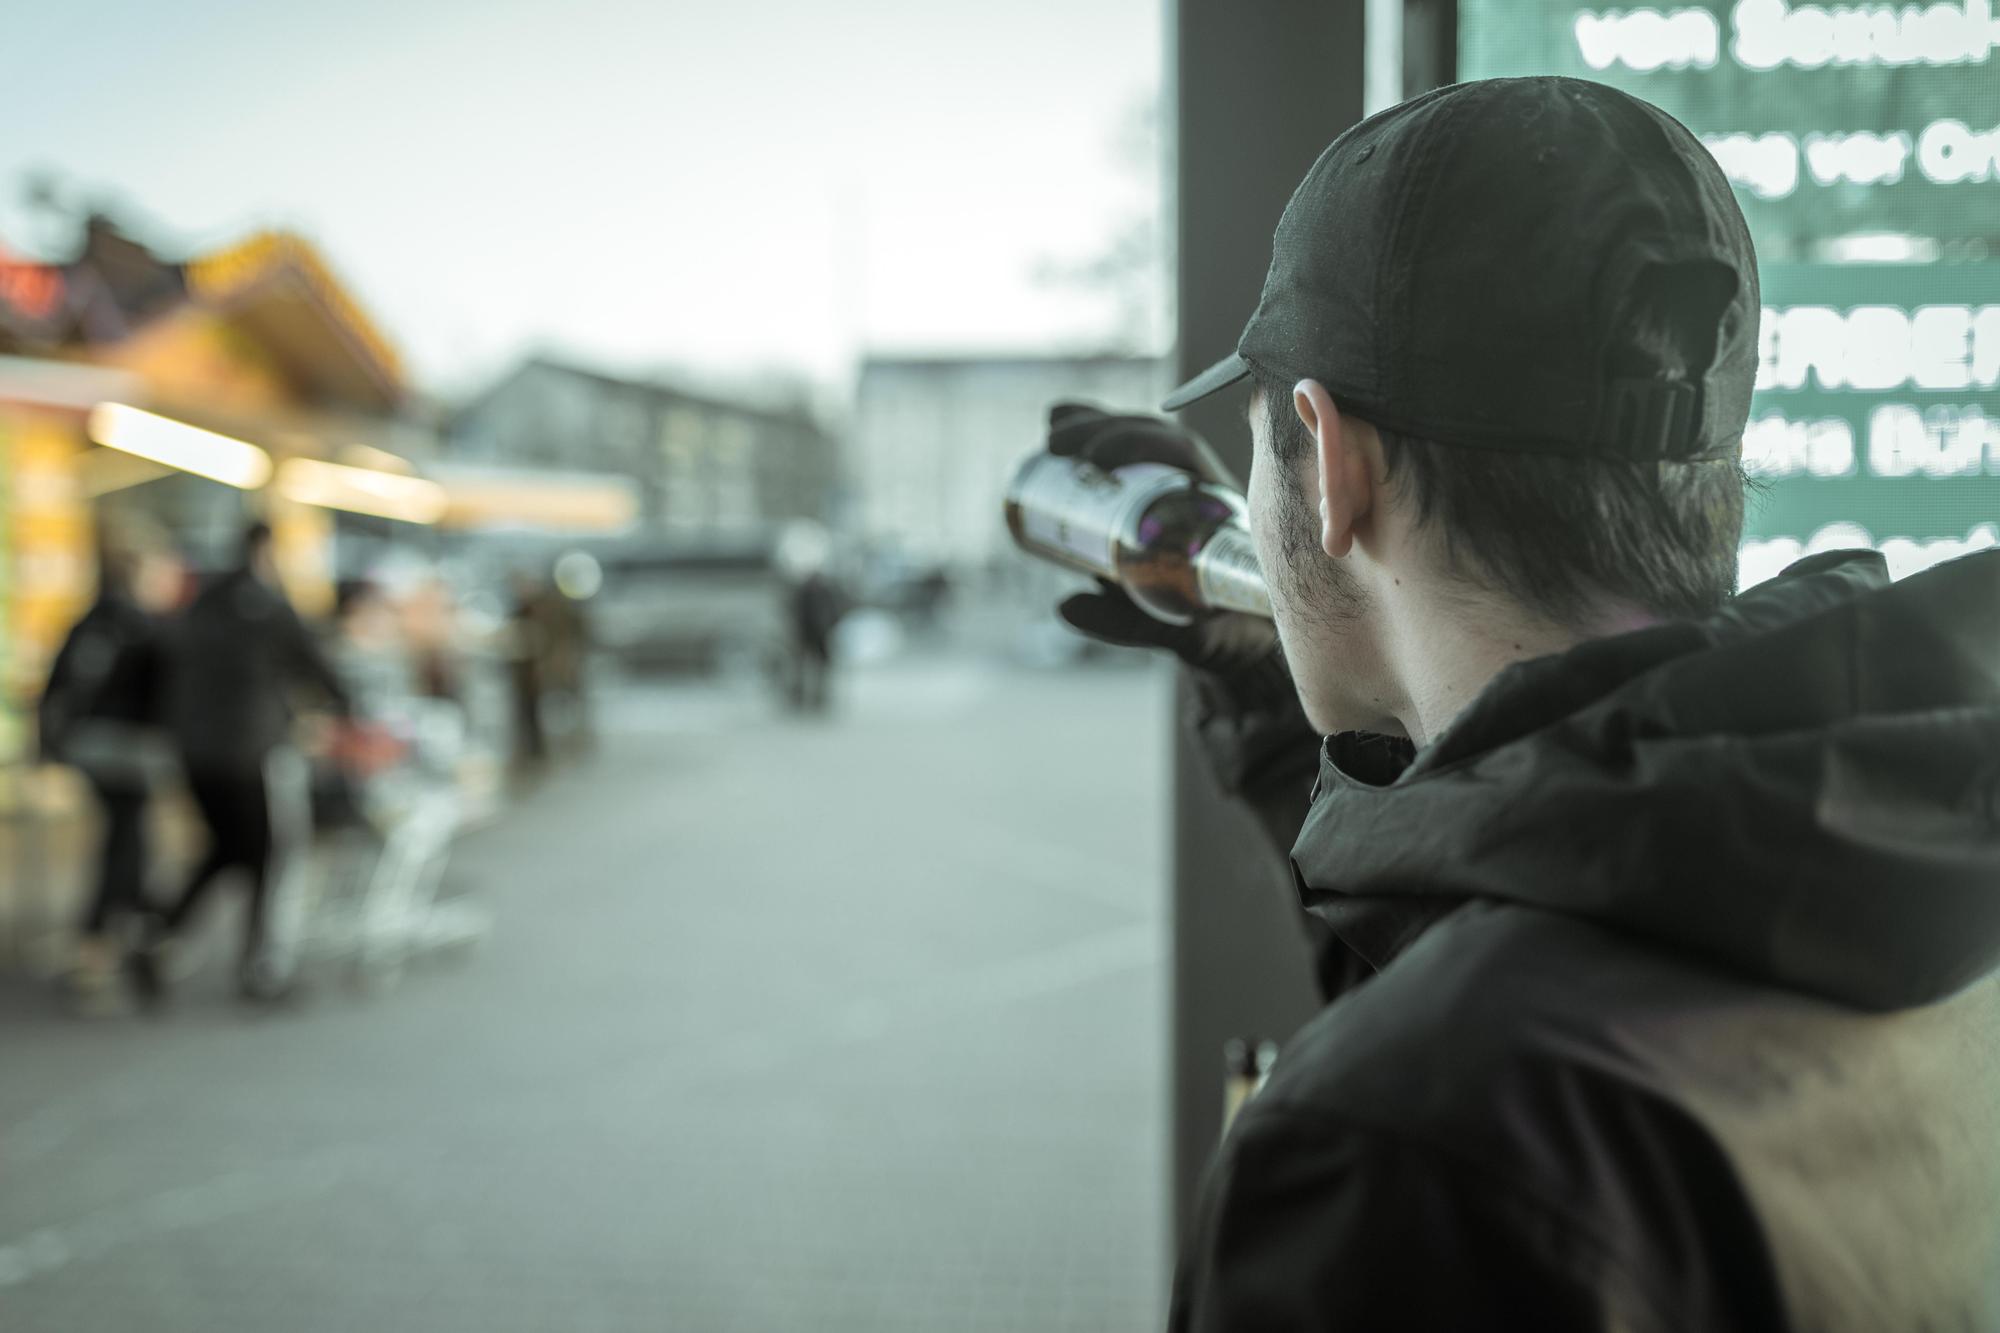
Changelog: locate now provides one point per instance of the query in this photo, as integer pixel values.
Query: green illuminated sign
(1864, 144)
(1831, 120)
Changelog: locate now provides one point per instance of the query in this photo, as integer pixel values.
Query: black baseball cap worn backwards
(1459, 266)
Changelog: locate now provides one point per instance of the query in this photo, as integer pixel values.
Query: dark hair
(255, 541)
(351, 595)
(1562, 534)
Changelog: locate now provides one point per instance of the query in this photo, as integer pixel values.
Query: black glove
(1077, 430)
(1236, 656)
(1240, 652)
(1247, 707)
(1245, 710)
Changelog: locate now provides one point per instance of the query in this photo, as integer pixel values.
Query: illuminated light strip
(368, 456)
(204, 453)
(477, 505)
(361, 490)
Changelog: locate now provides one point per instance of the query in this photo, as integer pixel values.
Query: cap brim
(1218, 376)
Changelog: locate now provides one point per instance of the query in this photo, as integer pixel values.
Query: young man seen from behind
(1660, 924)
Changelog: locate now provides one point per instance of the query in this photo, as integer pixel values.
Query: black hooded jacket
(234, 660)
(1677, 998)
(107, 670)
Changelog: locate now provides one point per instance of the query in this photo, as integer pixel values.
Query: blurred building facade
(257, 342)
(127, 371)
(936, 439)
(705, 469)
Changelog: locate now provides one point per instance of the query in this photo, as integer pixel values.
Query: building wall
(703, 468)
(935, 441)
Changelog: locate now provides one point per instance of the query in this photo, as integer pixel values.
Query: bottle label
(1073, 510)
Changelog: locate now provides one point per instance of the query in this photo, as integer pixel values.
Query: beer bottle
(1177, 545)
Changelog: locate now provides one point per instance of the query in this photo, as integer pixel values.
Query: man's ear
(1346, 483)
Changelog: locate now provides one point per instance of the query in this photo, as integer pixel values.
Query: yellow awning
(477, 497)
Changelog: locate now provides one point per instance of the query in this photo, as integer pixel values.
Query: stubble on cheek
(1313, 585)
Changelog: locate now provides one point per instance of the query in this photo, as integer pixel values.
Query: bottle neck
(1228, 574)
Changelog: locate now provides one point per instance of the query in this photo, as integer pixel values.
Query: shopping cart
(386, 808)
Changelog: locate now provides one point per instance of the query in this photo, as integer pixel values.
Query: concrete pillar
(1257, 89)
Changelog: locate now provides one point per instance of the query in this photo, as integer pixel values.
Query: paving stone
(844, 1024)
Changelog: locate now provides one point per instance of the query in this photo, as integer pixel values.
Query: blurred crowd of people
(298, 745)
(282, 735)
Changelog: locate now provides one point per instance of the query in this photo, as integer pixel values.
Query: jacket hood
(1803, 788)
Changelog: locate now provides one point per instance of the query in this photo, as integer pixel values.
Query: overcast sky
(726, 186)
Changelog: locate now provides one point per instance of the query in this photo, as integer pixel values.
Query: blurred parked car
(679, 607)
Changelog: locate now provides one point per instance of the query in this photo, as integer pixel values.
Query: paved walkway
(850, 1025)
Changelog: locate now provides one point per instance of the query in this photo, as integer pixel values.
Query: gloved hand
(1237, 654)
(1246, 711)
(1077, 430)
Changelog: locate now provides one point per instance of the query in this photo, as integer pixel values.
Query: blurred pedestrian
(369, 654)
(816, 606)
(566, 663)
(391, 785)
(932, 599)
(529, 635)
(1659, 923)
(234, 662)
(100, 714)
(431, 632)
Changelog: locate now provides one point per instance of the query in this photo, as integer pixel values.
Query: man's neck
(1443, 653)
